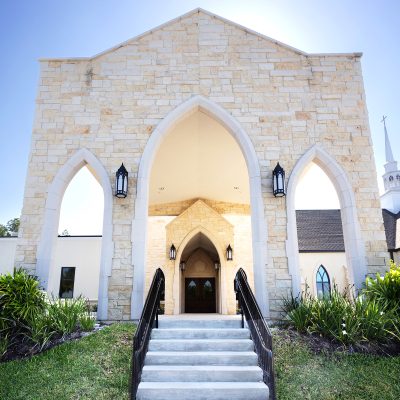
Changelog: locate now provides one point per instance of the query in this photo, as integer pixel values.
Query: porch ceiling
(199, 159)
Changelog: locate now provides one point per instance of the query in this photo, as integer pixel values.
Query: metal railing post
(148, 319)
(260, 333)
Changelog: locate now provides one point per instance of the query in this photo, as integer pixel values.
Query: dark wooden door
(200, 295)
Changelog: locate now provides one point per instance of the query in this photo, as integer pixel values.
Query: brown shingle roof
(319, 230)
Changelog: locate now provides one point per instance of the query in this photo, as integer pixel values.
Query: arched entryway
(258, 238)
(199, 266)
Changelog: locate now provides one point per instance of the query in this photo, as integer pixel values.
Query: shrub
(86, 322)
(374, 323)
(40, 331)
(385, 290)
(20, 297)
(343, 318)
(298, 310)
(28, 318)
(65, 314)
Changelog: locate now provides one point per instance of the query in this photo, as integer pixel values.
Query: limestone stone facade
(292, 106)
(223, 228)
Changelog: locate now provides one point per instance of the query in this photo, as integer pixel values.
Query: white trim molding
(47, 243)
(139, 226)
(354, 245)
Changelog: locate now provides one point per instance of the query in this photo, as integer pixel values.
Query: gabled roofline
(198, 10)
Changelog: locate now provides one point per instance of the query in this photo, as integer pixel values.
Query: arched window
(390, 178)
(323, 282)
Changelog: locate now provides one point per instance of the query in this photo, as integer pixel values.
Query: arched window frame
(322, 282)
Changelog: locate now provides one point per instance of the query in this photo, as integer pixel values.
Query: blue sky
(43, 28)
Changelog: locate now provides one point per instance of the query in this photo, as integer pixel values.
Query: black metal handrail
(259, 330)
(148, 319)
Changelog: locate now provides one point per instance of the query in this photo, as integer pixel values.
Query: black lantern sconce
(182, 265)
(217, 265)
(121, 182)
(229, 253)
(278, 181)
(172, 252)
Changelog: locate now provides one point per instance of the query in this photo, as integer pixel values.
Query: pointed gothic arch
(46, 246)
(354, 245)
(258, 221)
(181, 247)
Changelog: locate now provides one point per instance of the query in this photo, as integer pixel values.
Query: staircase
(201, 358)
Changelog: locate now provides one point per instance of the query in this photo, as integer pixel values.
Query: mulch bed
(318, 344)
(24, 348)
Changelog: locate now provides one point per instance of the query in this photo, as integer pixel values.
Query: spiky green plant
(385, 289)
(20, 297)
(65, 314)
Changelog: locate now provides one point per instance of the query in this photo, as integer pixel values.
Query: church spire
(388, 147)
(390, 200)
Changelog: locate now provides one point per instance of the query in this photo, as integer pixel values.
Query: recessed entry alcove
(199, 201)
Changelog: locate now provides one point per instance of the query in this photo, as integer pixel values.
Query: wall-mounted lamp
(121, 182)
(278, 181)
(217, 265)
(182, 265)
(172, 252)
(229, 253)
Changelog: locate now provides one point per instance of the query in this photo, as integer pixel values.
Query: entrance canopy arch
(139, 228)
(355, 250)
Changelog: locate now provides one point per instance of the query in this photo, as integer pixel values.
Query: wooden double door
(200, 295)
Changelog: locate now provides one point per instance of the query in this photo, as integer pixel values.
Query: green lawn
(97, 367)
(303, 375)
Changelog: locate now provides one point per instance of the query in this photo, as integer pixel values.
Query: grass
(301, 374)
(98, 366)
(95, 367)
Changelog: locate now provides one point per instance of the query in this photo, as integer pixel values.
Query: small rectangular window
(67, 282)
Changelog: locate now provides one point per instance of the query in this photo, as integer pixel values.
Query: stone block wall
(286, 101)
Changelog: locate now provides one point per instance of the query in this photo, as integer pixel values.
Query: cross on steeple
(388, 147)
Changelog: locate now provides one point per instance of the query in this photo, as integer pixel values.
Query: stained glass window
(323, 282)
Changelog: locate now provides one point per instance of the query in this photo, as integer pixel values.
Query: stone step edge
(201, 329)
(209, 353)
(214, 340)
(232, 368)
(202, 385)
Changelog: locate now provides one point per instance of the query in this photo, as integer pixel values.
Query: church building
(198, 132)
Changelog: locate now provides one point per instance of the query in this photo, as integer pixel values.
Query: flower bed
(31, 322)
(369, 319)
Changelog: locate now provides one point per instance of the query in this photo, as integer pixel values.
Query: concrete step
(201, 373)
(201, 345)
(168, 323)
(202, 391)
(201, 358)
(211, 333)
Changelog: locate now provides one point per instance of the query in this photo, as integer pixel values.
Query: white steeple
(390, 200)
(388, 147)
